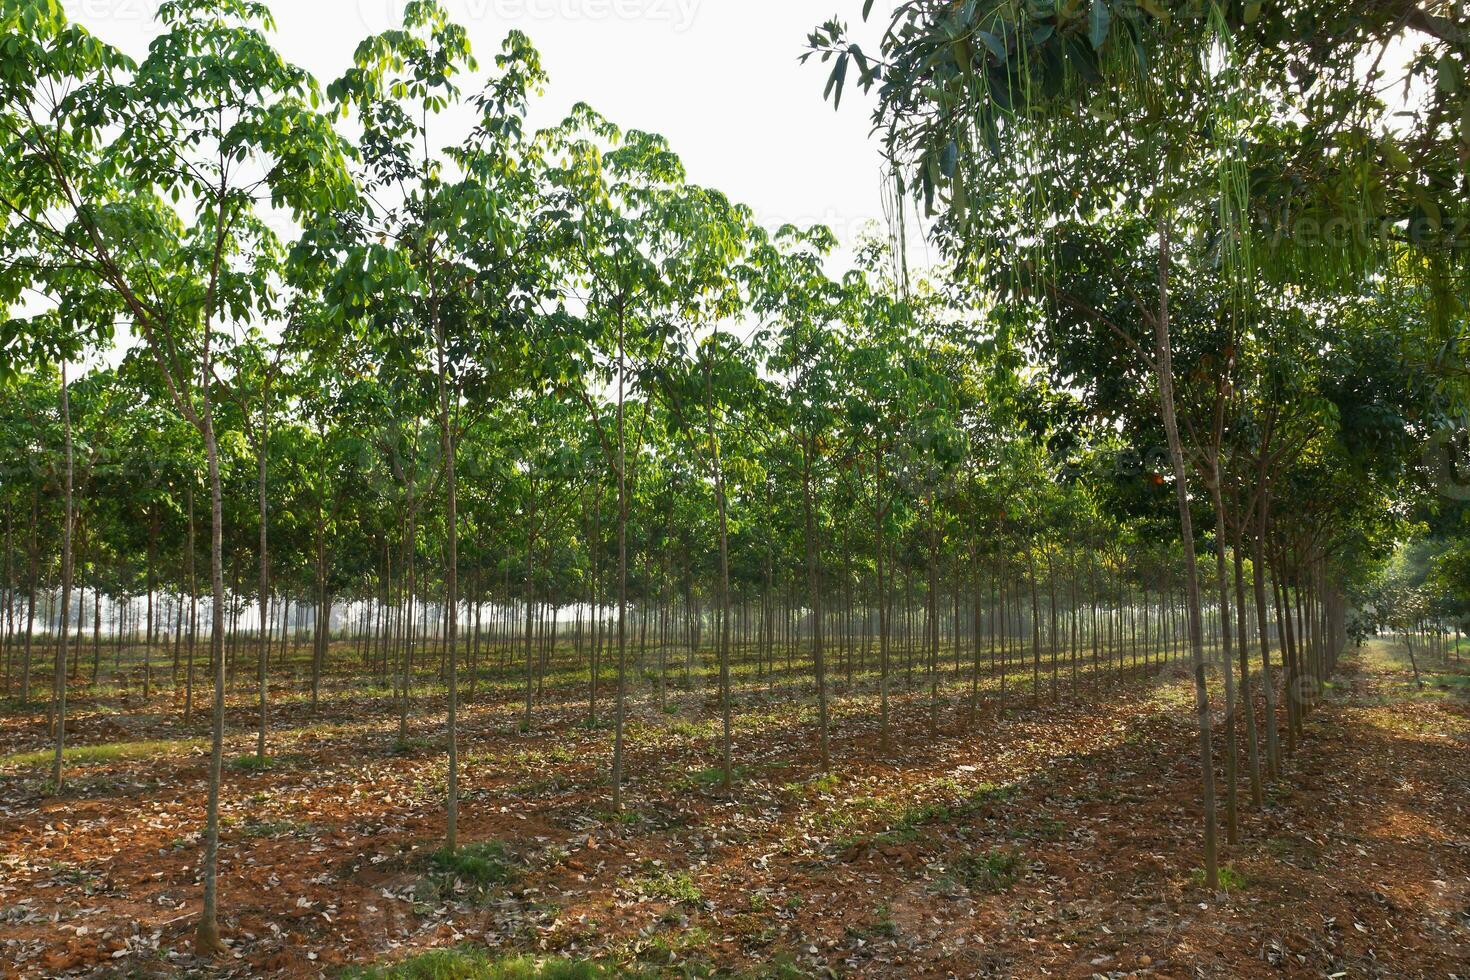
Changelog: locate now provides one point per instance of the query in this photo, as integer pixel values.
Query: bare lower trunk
(619, 710)
(66, 576)
(1247, 696)
(1165, 369)
(264, 579)
(208, 939)
(451, 604)
(815, 601)
(1232, 822)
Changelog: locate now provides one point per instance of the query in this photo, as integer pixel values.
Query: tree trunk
(262, 451)
(208, 939)
(66, 576)
(1232, 821)
(1164, 366)
(622, 475)
(451, 601)
(815, 600)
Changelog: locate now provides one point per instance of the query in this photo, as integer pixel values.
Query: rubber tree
(435, 266)
(801, 305)
(149, 176)
(598, 178)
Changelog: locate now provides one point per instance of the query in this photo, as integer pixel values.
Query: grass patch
(98, 754)
(89, 881)
(690, 729)
(1230, 879)
(409, 746)
(673, 886)
(254, 828)
(555, 754)
(816, 786)
(883, 926)
(676, 942)
(992, 872)
(252, 763)
(482, 865)
(465, 964)
(712, 778)
(1042, 828)
(625, 818)
(901, 822)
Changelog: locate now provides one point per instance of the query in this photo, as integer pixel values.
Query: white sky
(718, 78)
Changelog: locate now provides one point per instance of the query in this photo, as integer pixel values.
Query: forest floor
(1056, 839)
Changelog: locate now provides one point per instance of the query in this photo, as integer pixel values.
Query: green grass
(99, 754)
(991, 872)
(252, 763)
(680, 942)
(900, 821)
(711, 778)
(673, 886)
(816, 786)
(482, 864)
(1230, 879)
(467, 964)
(252, 828)
(883, 925)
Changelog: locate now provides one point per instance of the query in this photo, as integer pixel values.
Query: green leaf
(1099, 19)
(838, 80)
(1154, 10)
(1448, 75)
(949, 158)
(996, 45)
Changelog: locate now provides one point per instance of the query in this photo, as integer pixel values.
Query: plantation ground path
(1053, 840)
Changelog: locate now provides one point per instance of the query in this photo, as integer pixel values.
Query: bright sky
(719, 78)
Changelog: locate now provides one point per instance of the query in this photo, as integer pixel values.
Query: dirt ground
(1055, 839)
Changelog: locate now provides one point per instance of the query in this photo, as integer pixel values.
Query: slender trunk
(931, 639)
(405, 657)
(622, 475)
(320, 636)
(879, 516)
(1165, 369)
(451, 600)
(208, 940)
(815, 600)
(717, 463)
(66, 575)
(593, 546)
(1035, 624)
(1413, 660)
(193, 610)
(32, 584)
(262, 451)
(153, 534)
(1263, 617)
(530, 625)
(7, 613)
(1232, 820)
